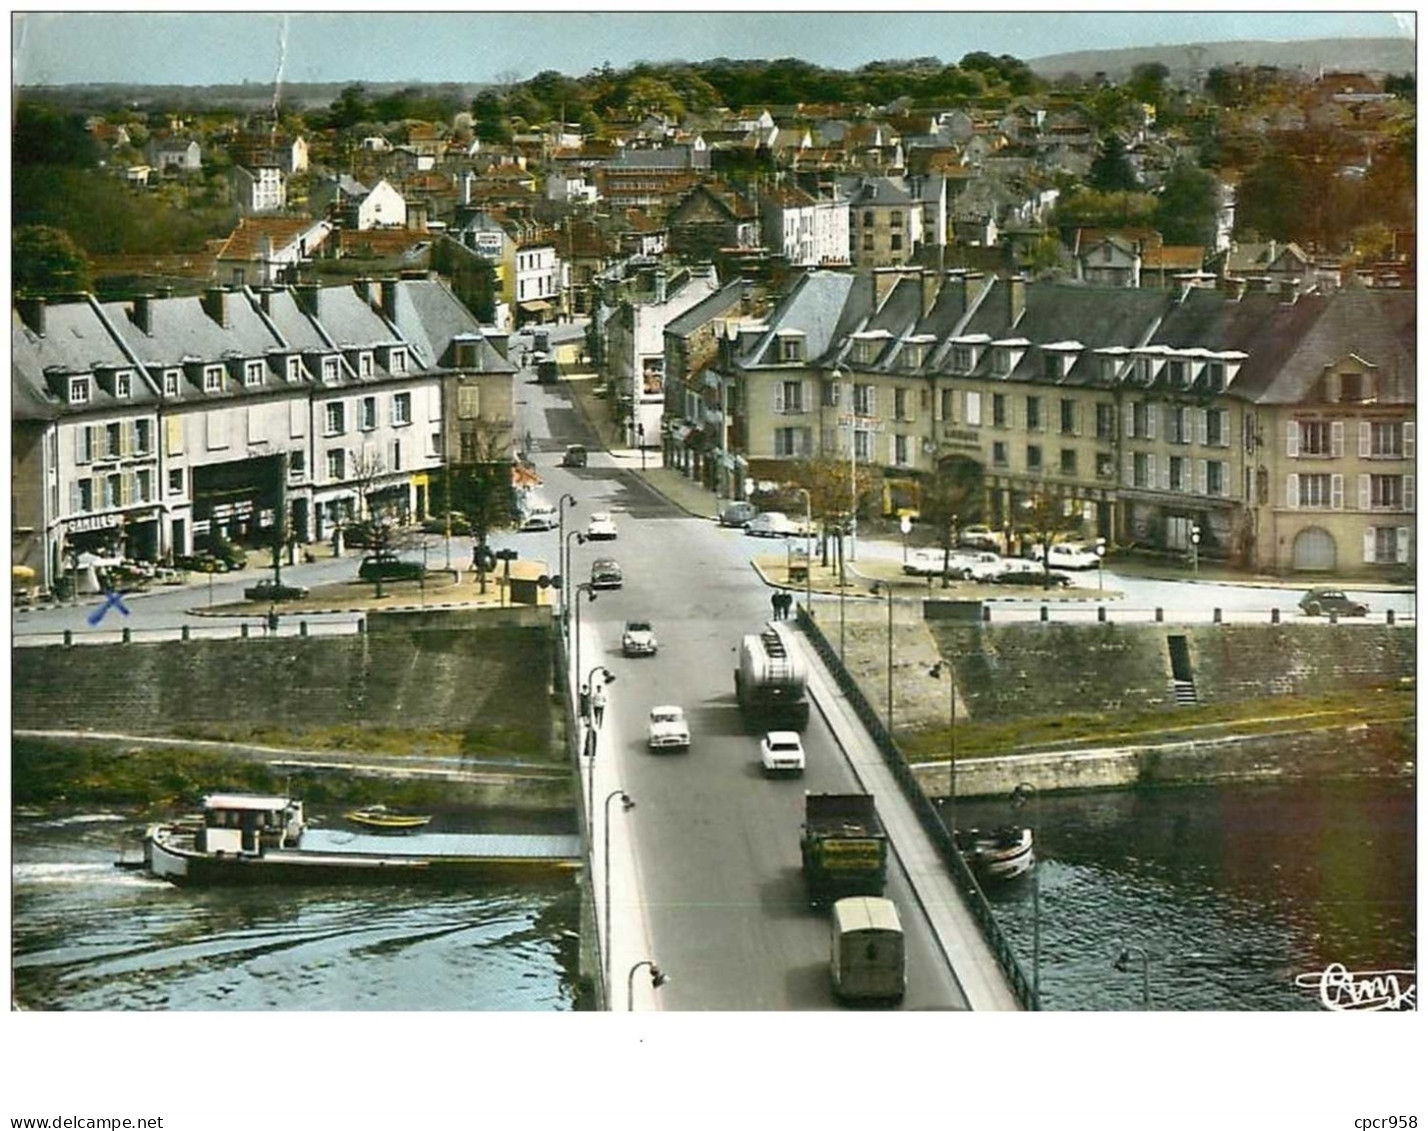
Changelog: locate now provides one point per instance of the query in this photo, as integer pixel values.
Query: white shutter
(1336, 439)
(1291, 439)
(1401, 548)
(805, 440)
(1336, 492)
(1291, 491)
(804, 404)
(974, 409)
(1130, 422)
(1150, 415)
(1408, 438)
(74, 499)
(1369, 544)
(1130, 470)
(131, 438)
(1365, 437)
(254, 423)
(1408, 493)
(1150, 472)
(1364, 497)
(778, 396)
(1202, 477)
(872, 401)
(1204, 426)
(1165, 476)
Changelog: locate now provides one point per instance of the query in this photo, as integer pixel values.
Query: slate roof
(720, 302)
(815, 306)
(430, 317)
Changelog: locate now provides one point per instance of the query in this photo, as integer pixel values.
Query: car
(201, 562)
(1069, 555)
(1321, 600)
(669, 730)
(541, 516)
(1014, 567)
(389, 567)
(1034, 577)
(979, 537)
(981, 565)
(601, 527)
(781, 752)
(269, 590)
(924, 563)
(639, 639)
(772, 524)
(575, 456)
(605, 573)
(737, 514)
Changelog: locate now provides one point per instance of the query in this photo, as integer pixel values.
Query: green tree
(46, 261)
(1147, 83)
(1186, 208)
(948, 500)
(44, 135)
(1112, 171)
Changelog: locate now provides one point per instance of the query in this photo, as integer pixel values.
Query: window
(900, 411)
(1178, 474)
(1386, 440)
(1385, 545)
(895, 219)
(999, 453)
(335, 418)
(294, 368)
(144, 485)
(864, 400)
(900, 457)
(1177, 420)
(213, 378)
(1033, 414)
(1051, 366)
(1033, 457)
(113, 441)
(113, 491)
(1105, 465)
(143, 443)
(1140, 470)
(252, 374)
(1315, 490)
(1215, 477)
(297, 465)
(364, 365)
(330, 370)
(962, 358)
(789, 441)
(175, 481)
(398, 361)
(790, 348)
(402, 408)
(336, 463)
(1179, 374)
(171, 382)
(974, 408)
(867, 241)
(788, 397)
(830, 394)
(366, 414)
(867, 219)
(1385, 492)
(999, 410)
(84, 495)
(1217, 427)
(1215, 376)
(1314, 438)
(84, 445)
(468, 402)
(1068, 417)
(79, 390)
(122, 385)
(863, 445)
(1068, 461)
(1351, 387)
(1105, 421)
(949, 400)
(895, 241)
(1142, 420)
(1001, 362)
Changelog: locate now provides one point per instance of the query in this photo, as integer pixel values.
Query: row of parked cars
(982, 565)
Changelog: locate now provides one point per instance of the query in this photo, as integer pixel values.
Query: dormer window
(123, 384)
(252, 374)
(79, 390)
(213, 378)
(330, 370)
(398, 361)
(1001, 362)
(790, 347)
(963, 359)
(294, 368)
(1108, 369)
(1179, 373)
(1215, 376)
(1051, 366)
(171, 382)
(364, 365)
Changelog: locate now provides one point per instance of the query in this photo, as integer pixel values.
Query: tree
(1147, 82)
(479, 485)
(1041, 517)
(1112, 171)
(947, 500)
(383, 520)
(828, 481)
(1186, 210)
(46, 261)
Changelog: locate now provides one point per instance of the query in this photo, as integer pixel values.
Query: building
(808, 231)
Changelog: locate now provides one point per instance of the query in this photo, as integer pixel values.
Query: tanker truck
(770, 681)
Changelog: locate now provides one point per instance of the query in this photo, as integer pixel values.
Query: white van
(867, 959)
(540, 514)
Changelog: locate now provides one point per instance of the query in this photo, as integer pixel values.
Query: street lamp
(628, 803)
(936, 672)
(1100, 565)
(1195, 548)
(562, 547)
(1020, 794)
(807, 549)
(657, 979)
(565, 583)
(588, 589)
(640, 437)
(1122, 963)
(885, 588)
(586, 692)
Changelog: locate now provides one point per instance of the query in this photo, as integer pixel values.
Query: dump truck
(844, 846)
(770, 681)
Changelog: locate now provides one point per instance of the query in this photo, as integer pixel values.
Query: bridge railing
(927, 815)
(259, 628)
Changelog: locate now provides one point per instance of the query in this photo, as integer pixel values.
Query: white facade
(383, 207)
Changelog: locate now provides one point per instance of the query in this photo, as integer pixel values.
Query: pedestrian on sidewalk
(777, 605)
(597, 703)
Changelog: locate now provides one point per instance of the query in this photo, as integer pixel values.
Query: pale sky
(189, 48)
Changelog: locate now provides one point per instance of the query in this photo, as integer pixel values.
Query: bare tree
(381, 520)
(833, 494)
(947, 498)
(479, 483)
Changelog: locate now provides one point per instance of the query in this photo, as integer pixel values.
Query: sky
(352, 44)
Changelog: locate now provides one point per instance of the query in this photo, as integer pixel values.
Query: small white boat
(997, 854)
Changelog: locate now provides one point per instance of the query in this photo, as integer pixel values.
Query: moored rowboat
(382, 819)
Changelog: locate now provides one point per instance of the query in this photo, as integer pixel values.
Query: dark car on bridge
(1319, 601)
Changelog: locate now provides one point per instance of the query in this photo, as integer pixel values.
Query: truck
(771, 682)
(844, 847)
(867, 959)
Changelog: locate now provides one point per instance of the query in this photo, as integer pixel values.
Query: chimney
(1238, 287)
(215, 305)
(1016, 299)
(363, 287)
(389, 299)
(931, 285)
(884, 280)
(144, 313)
(265, 299)
(32, 312)
(309, 298)
(661, 281)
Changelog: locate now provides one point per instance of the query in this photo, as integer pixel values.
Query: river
(1229, 892)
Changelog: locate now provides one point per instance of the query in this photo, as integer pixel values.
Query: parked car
(202, 562)
(575, 456)
(639, 639)
(772, 524)
(669, 729)
(389, 567)
(605, 573)
(1068, 555)
(601, 527)
(781, 752)
(1036, 576)
(982, 565)
(737, 514)
(540, 516)
(269, 590)
(1321, 601)
(979, 537)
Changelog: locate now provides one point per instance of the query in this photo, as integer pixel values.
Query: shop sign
(91, 522)
(240, 509)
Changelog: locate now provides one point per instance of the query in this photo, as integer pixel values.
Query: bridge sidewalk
(973, 964)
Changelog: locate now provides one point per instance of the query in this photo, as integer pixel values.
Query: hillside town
(1144, 312)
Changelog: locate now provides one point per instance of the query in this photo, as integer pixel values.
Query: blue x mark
(113, 599)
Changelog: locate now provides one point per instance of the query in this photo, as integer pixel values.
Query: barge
(250, 838)
(997, 855)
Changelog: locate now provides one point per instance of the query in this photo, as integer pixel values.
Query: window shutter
(872, 401)
(130, 442)
(1369, 544)
(1165, 476)
(805, 442)
(1150, 415)
(1364, 492)
(1204, 426)
(1130, 469)
(1408, 437)
(1365, 437)
(1202, 477)
(1078, 417)
(1150, 472)
(1336, 492)
(74, 499)
(778, 396)
(173, 435)
(804, 404)
(1130, 422)
(1291, 491)
(1291, 439)
(126, 489)
(1336, 439)
(1408, 493)
(1401, 549)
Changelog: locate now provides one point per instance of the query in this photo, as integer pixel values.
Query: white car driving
(668, 728)
(782, 752)
(601, 527)
(639, 639)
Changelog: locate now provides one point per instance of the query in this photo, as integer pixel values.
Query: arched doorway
(1314, 550)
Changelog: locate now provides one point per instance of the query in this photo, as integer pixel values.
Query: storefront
(237, 502)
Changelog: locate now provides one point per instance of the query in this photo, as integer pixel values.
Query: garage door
(1314, 550)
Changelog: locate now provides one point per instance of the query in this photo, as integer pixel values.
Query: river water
(1230, 891)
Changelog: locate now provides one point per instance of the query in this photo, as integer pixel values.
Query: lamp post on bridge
(628, 803)
(1020, 795)
(566, 585)
(807, 550)
(885, 588)
(658, 978)
(586, 701)
(562, 550)
(936, 672)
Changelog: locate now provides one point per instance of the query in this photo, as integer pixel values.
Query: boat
(384, 820)
(242, 838)
(996, 855)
